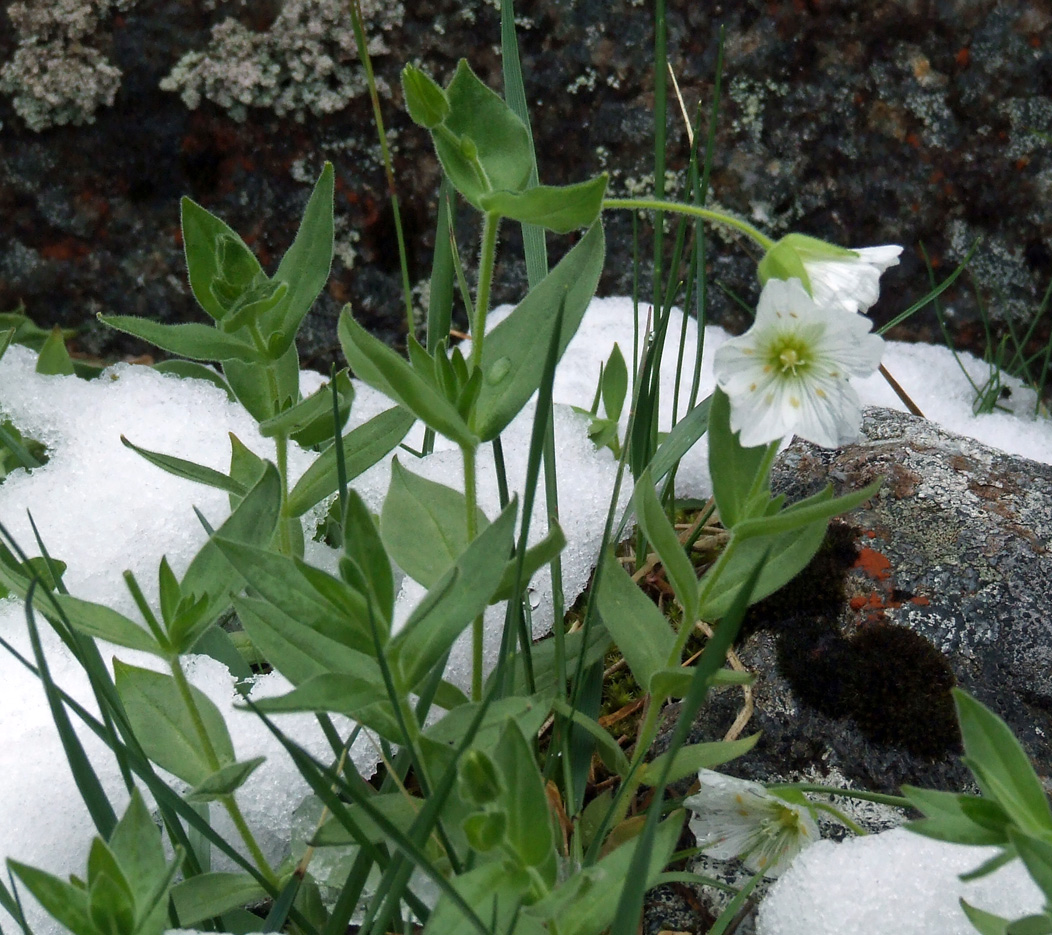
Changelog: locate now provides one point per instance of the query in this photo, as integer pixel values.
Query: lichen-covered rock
(904, 123)
(942, 578)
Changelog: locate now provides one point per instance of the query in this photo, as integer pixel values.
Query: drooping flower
(849, 279)
(737, 818)
(788, 374)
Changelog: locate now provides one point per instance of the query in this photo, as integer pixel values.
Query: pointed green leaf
(959, 819)
(683, 436)
(180, 467)
(615, 384)
(362, 543)
(337, 693)
(6, 337)
(54, 359)
(559, 208)
(198, 342)
(65, 903)
(376, 364)
(265, 387)
(298, 651)
(452, 603)
(733, 468)
(305, 267)
(537, 556)
(322, 602)
(210, 574)
(164, 726)
(192, 370)
(607, 747)
(688, 760)
(136, 844)
(529, 831)
(362, 448)
(1036, 854)
(225, 781)
(204, 237)
(423, 525)
(512, 368)
(211, 894)
(309, 422)
(100, 622)
(659, 532)
(1001, 766)
(639, 629)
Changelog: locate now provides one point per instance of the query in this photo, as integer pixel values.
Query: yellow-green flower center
(790, 356)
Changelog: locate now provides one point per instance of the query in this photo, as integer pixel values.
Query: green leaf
(103, 623)
(6, 337)
(180, 467)
(818, 508)
(198, 342)
(1036, 854)
(683, 436)
(338, 693)
(424, 99)
(512, 367)
(615, 384)
(452, 603)
(529, 832)
(585, 904)
(211, 894)
(1001, 766)
(733, 468)
(110, 900)
(136, 843)
(298, 651)
(560, 208)
(362, 448)
(481, 144)
(321, 601)
(607, 747)
(192, 370)
(397, 807)
(639, 629)
(267, 387)
(305, 267)
(224, 781)
(423, 525)
(959, 819)
(66, 904)
(986, 923)
(210, 574)
(528, 711)
(362, 544)
(537, 556)
(310, 422)
(496, 891)
(376, 364)
(205, 237)
(54, 359)
(688, 760)
(165, 728)
(659, 532)
(1031, 925)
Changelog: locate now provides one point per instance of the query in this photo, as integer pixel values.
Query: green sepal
(424, 98)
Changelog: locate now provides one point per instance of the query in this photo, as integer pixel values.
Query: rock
(942, 578)
(910, 123)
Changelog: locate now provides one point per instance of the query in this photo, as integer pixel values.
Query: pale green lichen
(55, 77)
(306, 62)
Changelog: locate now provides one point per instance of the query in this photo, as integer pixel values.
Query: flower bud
(424, 99)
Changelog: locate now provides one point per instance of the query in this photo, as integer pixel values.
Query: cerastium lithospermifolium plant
(482, 817)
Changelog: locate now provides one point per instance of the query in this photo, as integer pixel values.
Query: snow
(102, 509)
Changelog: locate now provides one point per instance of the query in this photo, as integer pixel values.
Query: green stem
(717, 217)
(880, 798)
(851, 826)
(209, 751)
(471, 503)
(486, 260)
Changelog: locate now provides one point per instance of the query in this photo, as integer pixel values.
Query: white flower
(788, 374)
(853, 283)
(737, 818)
(848, 279)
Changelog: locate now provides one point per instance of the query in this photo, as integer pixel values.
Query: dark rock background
(907, 121)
